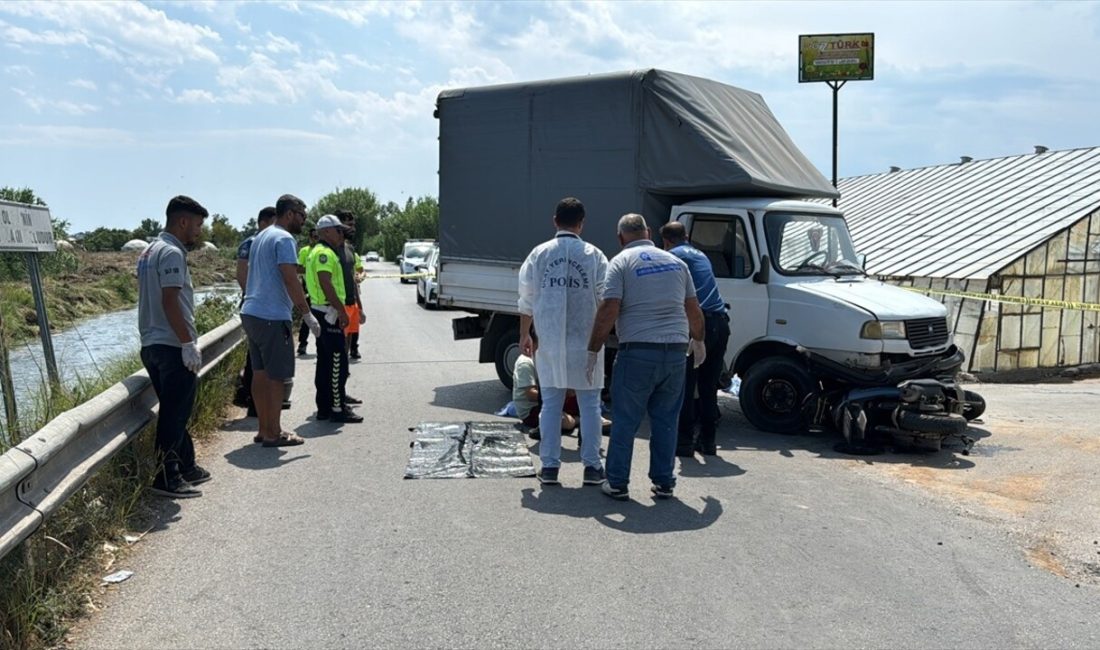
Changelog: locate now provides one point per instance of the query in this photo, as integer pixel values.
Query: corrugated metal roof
(970, 219)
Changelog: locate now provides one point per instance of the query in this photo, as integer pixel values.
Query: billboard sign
(836, 57)
(25, 228)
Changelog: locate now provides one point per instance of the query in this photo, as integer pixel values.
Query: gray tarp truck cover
(636, 141)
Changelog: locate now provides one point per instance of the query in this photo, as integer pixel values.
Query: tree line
(381, 227)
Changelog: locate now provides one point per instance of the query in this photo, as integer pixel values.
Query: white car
(415, 253)
(427, 286)
(371, 256)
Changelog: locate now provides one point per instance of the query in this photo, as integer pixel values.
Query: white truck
(809, 328)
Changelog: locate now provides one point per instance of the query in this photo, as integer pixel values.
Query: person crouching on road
(327, 293)
(170, 344)
(560, 285)
(651, 302)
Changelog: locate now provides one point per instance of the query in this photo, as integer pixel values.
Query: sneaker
(301, 350)
(548, 476)
(355, 354)
(196, 475)
(594, 475)
(178, 489)
(533, 433)
(617, 493)
(351, 400)
(661, 491)
(347, 416)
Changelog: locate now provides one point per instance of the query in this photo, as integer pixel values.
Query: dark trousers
(704, 409)
(331, 377)
(353, 342)
(303, 330)
(175, 387)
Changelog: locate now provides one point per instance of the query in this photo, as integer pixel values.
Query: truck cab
(803, 313)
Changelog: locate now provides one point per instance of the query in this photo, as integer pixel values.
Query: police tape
(1016, 300)
(385, 276)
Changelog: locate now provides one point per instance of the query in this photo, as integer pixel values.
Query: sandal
(285, 440)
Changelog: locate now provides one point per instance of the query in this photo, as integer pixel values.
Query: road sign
(26, 228)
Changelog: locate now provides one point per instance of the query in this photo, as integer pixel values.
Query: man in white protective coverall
(560, 285)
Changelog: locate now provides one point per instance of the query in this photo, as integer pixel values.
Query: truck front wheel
(772, 395)
(507, 351)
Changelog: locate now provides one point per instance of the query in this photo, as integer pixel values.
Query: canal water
(83, 351)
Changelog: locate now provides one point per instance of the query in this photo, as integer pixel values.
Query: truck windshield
(810, 244)
(418, 252)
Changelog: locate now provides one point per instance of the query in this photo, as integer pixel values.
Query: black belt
(670, 347)
(717, 314)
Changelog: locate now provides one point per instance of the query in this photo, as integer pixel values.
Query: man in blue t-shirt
(244, 387)
(271, 290)
(704, 410)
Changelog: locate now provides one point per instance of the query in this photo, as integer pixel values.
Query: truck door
(726, 241)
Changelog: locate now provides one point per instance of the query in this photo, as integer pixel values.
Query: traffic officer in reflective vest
(325, 281)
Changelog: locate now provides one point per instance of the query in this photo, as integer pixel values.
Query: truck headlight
(883, 329)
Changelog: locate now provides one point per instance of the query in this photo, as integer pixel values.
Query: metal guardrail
(40, 473)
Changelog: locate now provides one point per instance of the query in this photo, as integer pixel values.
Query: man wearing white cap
(327, 293)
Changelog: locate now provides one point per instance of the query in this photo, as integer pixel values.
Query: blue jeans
(645, 381)
(550, 426)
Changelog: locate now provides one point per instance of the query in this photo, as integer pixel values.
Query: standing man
(303, 259)
(560, 285)
(169, 345)
(244, 390)
(327, 292)
(716, 323)
(272, 289)
(650, 300)
(353, 302)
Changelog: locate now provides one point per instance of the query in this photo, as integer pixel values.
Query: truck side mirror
(862, 259)
(764, 274)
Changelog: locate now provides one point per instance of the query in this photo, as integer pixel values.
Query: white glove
(331, 315)
(311, 322)
(192, 357)
(590, 366)
(699, 350)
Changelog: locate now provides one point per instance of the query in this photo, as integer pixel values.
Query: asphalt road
(773, 544)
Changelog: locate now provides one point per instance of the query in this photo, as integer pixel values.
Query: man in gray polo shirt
(650, 300)
(169, 344)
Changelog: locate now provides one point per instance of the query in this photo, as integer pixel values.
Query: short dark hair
(184, 205)
(288, 202)
(570, 212)
(674, 232)
(312, 232)
(266, 214)
(344, 215)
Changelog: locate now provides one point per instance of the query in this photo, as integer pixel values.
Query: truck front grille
(926, 332)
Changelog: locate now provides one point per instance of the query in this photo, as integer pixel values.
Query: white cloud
(145, 34)
(196, 96)
(359, 14)
(86, 84)
(18, 71)
(40, 104)
(65, 135)
(276, 44)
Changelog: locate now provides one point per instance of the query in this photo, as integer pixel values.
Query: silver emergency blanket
(468, 450)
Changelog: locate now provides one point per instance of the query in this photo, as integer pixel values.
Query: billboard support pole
(43, 321)
(836, 86)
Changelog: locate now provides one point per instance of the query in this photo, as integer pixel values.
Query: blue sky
(109, 109)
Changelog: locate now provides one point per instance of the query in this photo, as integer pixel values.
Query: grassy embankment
(79, 285)
(50, 579)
